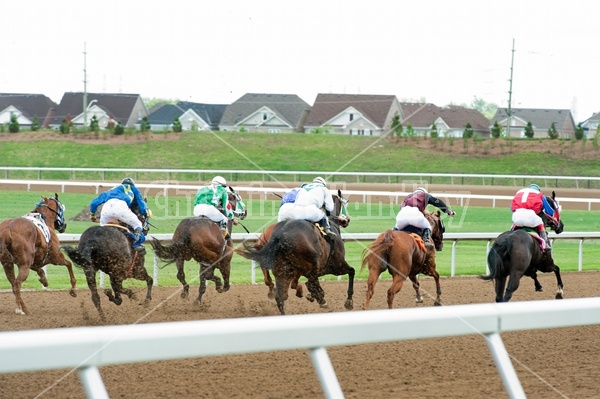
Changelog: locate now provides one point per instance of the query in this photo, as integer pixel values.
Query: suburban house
(541, 120)
(449, 121)
(273, 113)
(192, 116)
(353, 114)
(108, 108)
(26, 107)
(590, 125)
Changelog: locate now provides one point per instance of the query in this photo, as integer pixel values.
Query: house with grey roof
(590, 125)
(26, 107)
(273, 113)
(353, 114)
(541, 120)
(192, 116)
(449, 121)
(108, 108)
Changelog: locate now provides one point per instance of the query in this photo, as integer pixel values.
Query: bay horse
(201, 239)
(25, 244)
(298, 248)
(517, 253)
(108, 249)
(401, 254)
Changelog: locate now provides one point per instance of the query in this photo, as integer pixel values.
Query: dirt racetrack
(557, 363)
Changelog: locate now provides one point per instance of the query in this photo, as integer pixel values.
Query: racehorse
(201, 239)
(23, 242)
(517, 253)
(108, 249)
(299, 248)
(403, 255)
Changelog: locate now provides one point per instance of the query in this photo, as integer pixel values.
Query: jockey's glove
(451, 213)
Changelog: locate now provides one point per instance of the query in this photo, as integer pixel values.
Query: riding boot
(224, 230)
(427, 238)
(139, 238)
(544, 235)
(324, 223)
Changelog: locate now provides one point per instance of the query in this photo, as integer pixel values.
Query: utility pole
(509, 119)
(84, 86)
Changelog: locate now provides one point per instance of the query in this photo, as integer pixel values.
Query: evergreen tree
(177, 128)
(468, 132)
(119, 130)
(13, 126)
(496, 130)
(35, 125)
(579, 133)
(434, 132)
(529, 130)
(145, 125)
(397, 128)
(94, 125)
(552, 132)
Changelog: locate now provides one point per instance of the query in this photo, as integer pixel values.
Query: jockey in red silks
(411, 212)
(526, 206)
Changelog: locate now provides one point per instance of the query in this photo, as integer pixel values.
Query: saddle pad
(116, 225)
(321, 229)
(539, 239)
(419, 241)
(37, 220)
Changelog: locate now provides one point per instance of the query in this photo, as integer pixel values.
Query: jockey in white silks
(312, 203)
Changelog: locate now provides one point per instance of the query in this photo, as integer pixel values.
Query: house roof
(288, 107)
(118, 106)
(31, 105)
(210, 113)
(423, 115)
(165, 114)
(374, 107)
(539, 118)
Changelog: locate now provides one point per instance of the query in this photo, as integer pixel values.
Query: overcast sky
(216, 51)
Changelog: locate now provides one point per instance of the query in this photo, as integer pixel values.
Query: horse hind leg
(42, 277)
(374, 274)
(185, 287)
(317, 291)
(396, 286)
(349, 304)
(417, 286)
(16, 283)
(559, 292)
(499, 286)
(90, 276)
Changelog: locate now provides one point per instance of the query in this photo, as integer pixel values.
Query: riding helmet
(421, 189)
(128, 180)
(219, 180)
(534, 187)
(319, 180)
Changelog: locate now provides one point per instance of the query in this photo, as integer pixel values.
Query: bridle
(59, 222)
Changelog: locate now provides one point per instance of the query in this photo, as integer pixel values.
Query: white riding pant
(115, 211)
(308, 212)
(527, 218)
(210, 212)
(411, 216)
(286, 212)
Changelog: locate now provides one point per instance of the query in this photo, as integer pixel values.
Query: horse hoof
(270, 295)
(310, 298)
(226, 288)
(324, 305)
(349, 305)
(539, 290)
(118, 301)
(219, 290)
(73, 293)
(559, 295)
(419, 300)
(20, 312)
(146, 303)
(437, 303)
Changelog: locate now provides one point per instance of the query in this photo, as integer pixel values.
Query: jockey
(411, 212)
(212, 202)
(286, 209)
(313, 203)
(526, 206)
(118, 202)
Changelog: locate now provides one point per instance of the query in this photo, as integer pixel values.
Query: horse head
(239, 208)
(554, 222)
(53, 212)
(341, 216)
(437, 229)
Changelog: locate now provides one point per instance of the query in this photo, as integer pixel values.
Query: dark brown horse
(401, 254)
(299, 248)
(201, 239)
(517, 253)
(108, 249)
(23, 243)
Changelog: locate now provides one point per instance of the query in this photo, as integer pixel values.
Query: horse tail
(265, 255)
(495, 259)
(75, 255)
(167, 253)
(379, 251)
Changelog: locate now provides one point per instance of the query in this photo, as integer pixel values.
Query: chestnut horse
(108, 249)
(23, 243)
(517, 253)
(201, 239)
(297, 248)
(401, 254)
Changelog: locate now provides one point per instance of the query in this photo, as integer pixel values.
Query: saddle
(535, 235)
(419, 240)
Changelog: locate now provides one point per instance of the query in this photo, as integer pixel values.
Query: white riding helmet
(421, 189)
(319, 180)
(219, 180)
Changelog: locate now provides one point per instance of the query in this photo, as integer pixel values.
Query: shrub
(579, 132)
(177, 128)
(552, 132)
(119, 130)
(13, 126)
(35, 125)
(529, 130)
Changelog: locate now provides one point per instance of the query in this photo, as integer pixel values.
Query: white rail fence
(85, 349)
(455, 238)
(272, 175)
